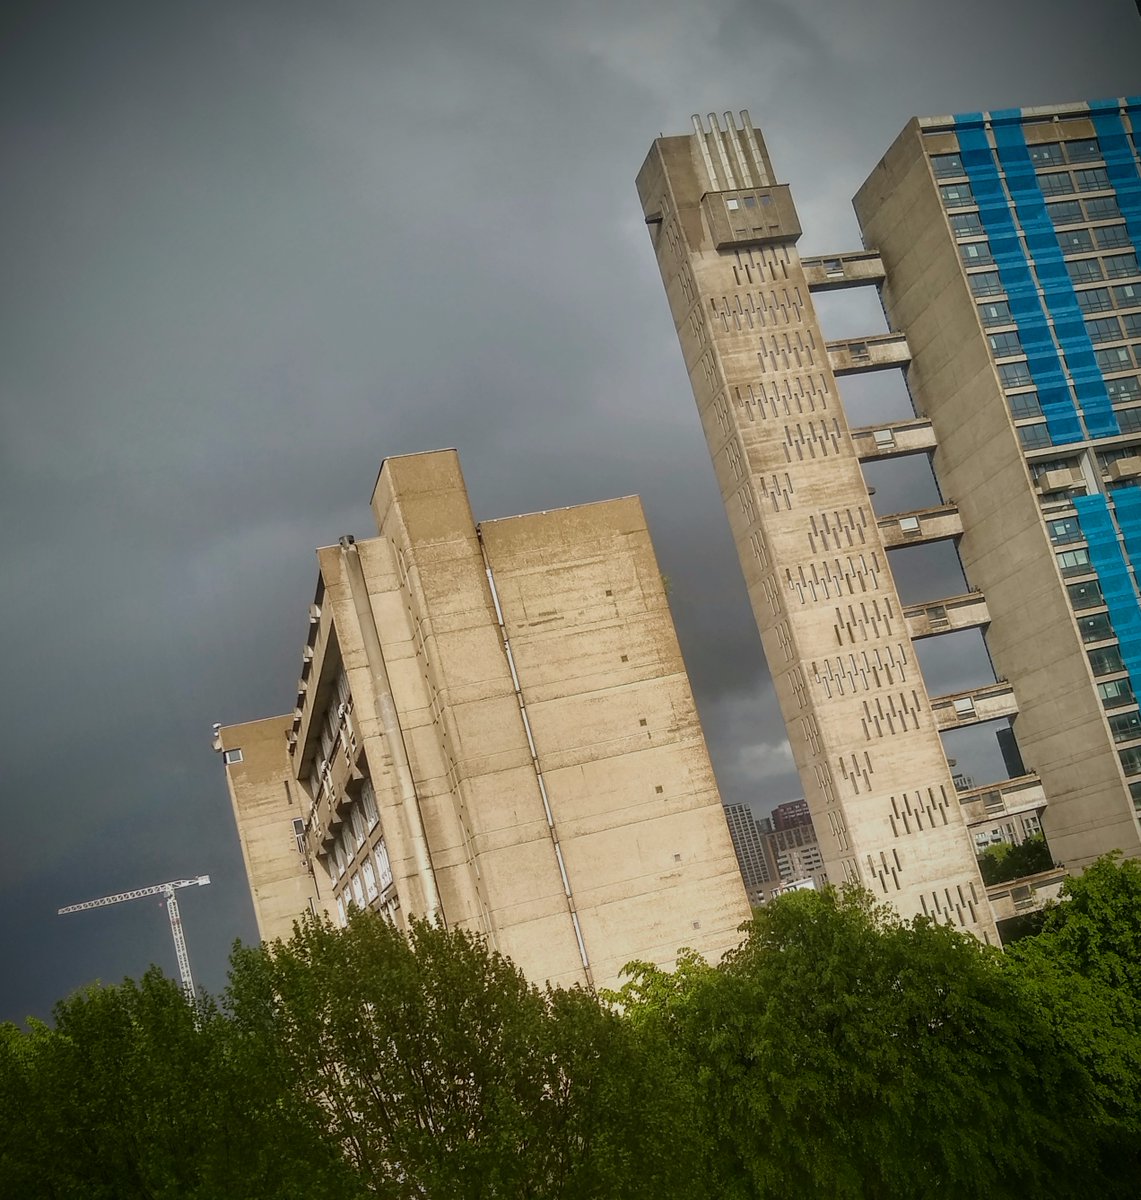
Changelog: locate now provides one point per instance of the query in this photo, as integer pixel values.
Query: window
(1004, 344)
(383, 866)
(368, 803)
(976, 254)
(1115, 358)
(1084, 270)
(1065, 212)
(732, 204)
(1091, 180)
(1131, 323)
(1075, 241)
(358, 824)
(1034, 437)
(1074, 562)
(1131, 760)
(1127, 295)
(1024, 405)
(1094, 300)
(1085, 150)
(1128, 388)
(1105, 660)
(1063, 530)
(1116, 693)
(1096, 628)
(232, 756)
(966, 224)
(1103, 329)
(299, 835)
(1101, 208)
(1015, 374)
(1085, 595)
(369, 877)
(1129, 420)
(750, 201)
(996, 312)
(947, 164)
(1109, 237)
(955, 195)
(1055, 184)
(1117, 265)
(1047, 155)
(1125, 726)
(985, 283)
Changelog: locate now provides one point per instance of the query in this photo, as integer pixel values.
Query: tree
(135, 1093)
(1006, 861)
(843, 1052)
(442, 1072)
(1081, 974)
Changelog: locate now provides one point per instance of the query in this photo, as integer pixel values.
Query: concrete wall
(266, 800)
(858, 717)
(554, 761)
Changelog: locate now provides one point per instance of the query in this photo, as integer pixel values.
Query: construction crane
(167, 890)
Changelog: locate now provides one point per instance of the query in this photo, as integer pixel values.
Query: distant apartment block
(1004, 246)
(749, 846)
(494, 729)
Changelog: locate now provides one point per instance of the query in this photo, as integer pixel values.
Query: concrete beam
(937, 524)
(996, 801)
(880, 352)
(933, 617)
(830, 272)
(986, 703)
(1016, 897)
(893, 439)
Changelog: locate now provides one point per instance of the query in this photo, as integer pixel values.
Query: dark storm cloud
(252, 247)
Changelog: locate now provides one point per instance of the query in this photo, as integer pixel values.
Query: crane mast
(165, 889)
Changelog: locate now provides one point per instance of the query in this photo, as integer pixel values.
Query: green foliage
(839, 1052)
(1005, 861)
(442, 1072)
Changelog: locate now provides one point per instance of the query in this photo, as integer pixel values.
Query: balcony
(1061, 479)
(997, 801)
(944, 616)
(938, 524)
(853, 356)
(874, 442)
(1124, 468)
(830, 272)
(989, 702)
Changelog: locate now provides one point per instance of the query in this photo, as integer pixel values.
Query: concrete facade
(863, 731)
(494, 728)
(1009, 245)
(270, 809)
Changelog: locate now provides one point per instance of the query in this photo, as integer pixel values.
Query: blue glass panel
(1113, 575)
(1058, 290)
(1014, 270)
(1119, 164)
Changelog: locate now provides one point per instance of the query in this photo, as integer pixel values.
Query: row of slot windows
(1096, 300)
(1113, 358)
(1058, 183)
(1048, 154)
(1092, 300)
(1082, 270)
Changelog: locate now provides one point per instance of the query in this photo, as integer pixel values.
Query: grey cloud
(250, 248)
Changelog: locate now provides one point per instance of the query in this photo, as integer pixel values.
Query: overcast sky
(251, 247)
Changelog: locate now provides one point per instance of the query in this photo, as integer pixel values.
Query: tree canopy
(839, 1051)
